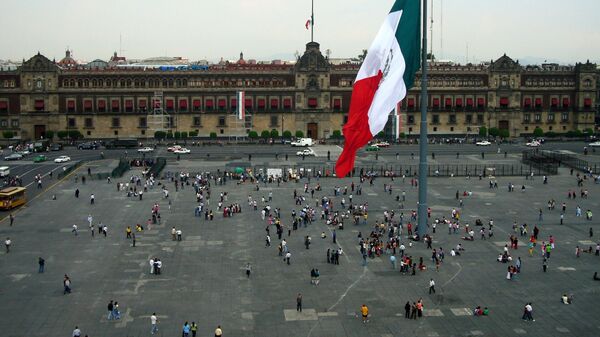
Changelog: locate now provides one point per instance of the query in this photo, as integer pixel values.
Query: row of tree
(537, 132)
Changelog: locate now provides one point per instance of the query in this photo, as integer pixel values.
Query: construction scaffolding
(158, 119)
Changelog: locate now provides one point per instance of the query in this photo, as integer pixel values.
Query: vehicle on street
(41, 145)
(56, 147)
(122, 143)
(533, 143)
(4, 171)
(303, 142)
(87, 146)
(14, 156)
(305, 152)
(173, 148)
(24, 153)
(12, 197)
(483, 143)
(39, 158)
(182, 150)
(62, 159)
(373, 147)
(595, 144)
(145, 150)
(382, 144)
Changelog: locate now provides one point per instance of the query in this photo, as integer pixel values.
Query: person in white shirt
(154, 322)
(431, 286)
(76, 332)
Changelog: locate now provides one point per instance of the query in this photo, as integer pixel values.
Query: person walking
(66, 285)
(7, 243)
(431, 286)
(12, 219)
(299, 302)
(407, 309)
(186, 329)
(248, 269)
(194, 329)
(218, 331)
(110, 308)
(92, 199)
(364, 310)
(41, 263)
(76, 332)
(528, 312)
(154, 322)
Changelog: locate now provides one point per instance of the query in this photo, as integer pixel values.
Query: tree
(184, 134)
(49, 134)
(265, 134)
(177, 135)
(8, 134)
(252, 134)
(160, 135)
(551, 134)
(538, 132)
(193, 133)
(504, 133)
(213, 135)
(483, 132)
(169, 134)
(274, 133)
(75, 134)
(299, 134)
(337, 134)
(62, 134)
(402, 135)
(381, 134)
(494, 132)
(287, 134)
(589, 131)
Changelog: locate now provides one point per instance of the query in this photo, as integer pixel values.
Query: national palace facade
(311, 95)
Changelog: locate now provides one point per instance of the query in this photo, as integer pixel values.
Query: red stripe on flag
(356, 130)
(307, 23)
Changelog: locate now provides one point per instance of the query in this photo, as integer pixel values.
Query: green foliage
(252, 134)
(274, 133)
(184, 134)
(265, 134)
(551, 134)
(589, 131)
(75, 134)
(62, 134)
(337, 134)
(504, 133)
(169, 134)
(494, 132)
(213, 135)
(299, 134)
(193, 133)
(381, 135)
(574, 133)
(8, 134)
(483, 132)
(177, 135)
(49, 134)
(538, 132)
(287, 134)
(160, 135)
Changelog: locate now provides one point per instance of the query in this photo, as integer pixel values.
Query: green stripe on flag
(409, 37)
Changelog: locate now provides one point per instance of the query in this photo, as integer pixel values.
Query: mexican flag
(383, 79)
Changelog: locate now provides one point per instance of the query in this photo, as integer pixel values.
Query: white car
(595, 144)
(145, 150)
(382, 144)
(534, 143)
(174, 148)
(182, 150)
(483, 143)
(62, 159)
(305, 152)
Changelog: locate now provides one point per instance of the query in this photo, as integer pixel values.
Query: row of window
(7, 83)
(449, 102)
(550, 82)
(14, 123)
(171, 83)
(170, 122)
(435, 119)
(555, 102)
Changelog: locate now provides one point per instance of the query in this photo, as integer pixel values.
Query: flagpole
(422, 210)
(312, 20)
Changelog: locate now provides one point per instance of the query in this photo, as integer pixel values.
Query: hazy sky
(529, 30)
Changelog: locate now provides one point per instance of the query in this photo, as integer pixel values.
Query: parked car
(595, 144)
(373, 147)
(56, 147)
(87, 146)
(305, 152)
(173, 148)
(24, 153)
(39, 158)
(483, 143)
(14, 156)
(533, 143)
(382, 144)
(145, 150)
(62, 159)
(182, 150)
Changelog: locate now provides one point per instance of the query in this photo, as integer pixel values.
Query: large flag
(383, 79)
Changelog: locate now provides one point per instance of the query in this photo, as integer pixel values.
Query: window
(504, 102)
(312, 102)
(14, 123)
(197, 121)
(72, 123)
(89, 123)
(3, 106)
(526, 128)
(274, 103)
(435, 119)
(564, 117)
(128, 105)
(222, 121)
(183, 105)
(538, 117)
(71, 105)
(87, 105)
(452, 119)
(480, 119)
(102, 105)
(3, 123)
(550, 117)
(142, 122)
(526, 118)
(274, 121)
(116, 122)
(39, 105)
(114, 105)
(411, 119)
(197, 104)
(435, 129)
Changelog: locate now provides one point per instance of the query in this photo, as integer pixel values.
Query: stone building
(311, 96)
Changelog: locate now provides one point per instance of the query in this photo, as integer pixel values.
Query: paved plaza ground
(203, 278)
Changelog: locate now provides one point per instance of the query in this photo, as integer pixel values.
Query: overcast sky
(529, 30)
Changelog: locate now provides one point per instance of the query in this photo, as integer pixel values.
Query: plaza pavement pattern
(203, 276)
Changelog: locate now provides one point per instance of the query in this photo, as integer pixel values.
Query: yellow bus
(12, 197)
